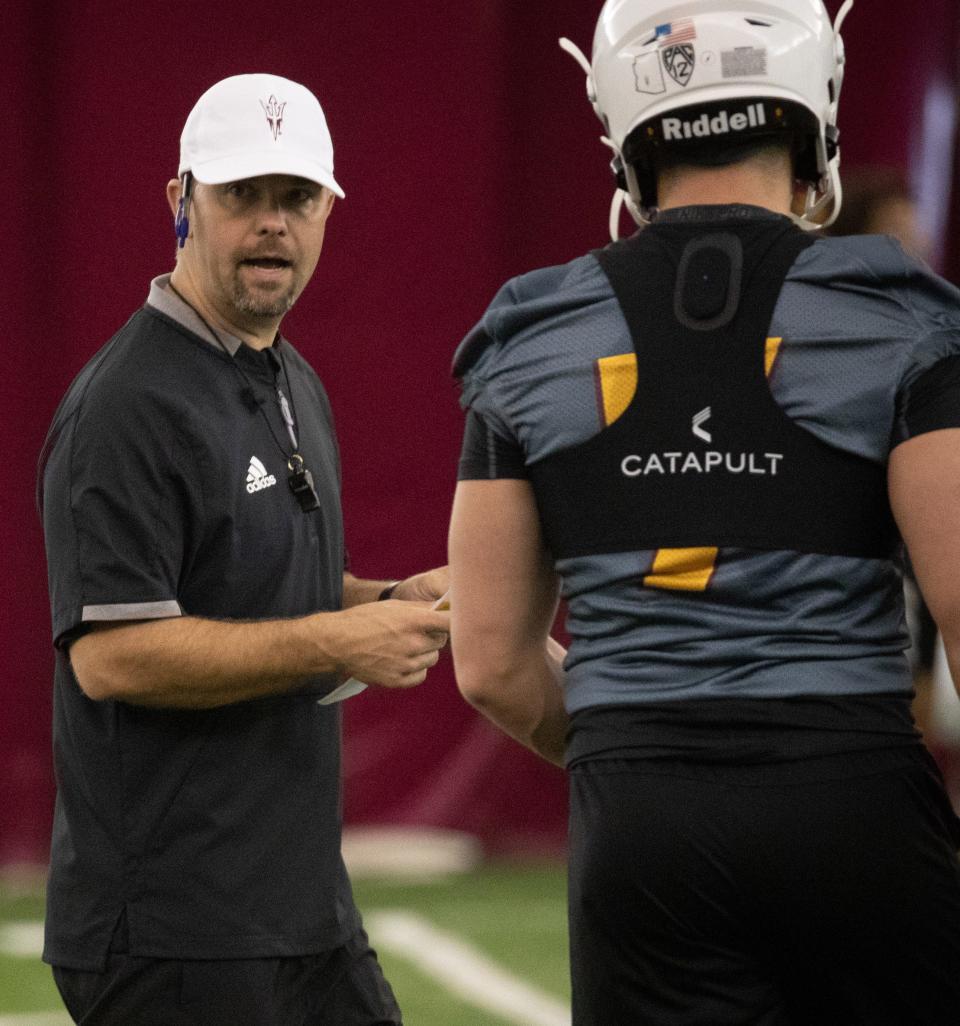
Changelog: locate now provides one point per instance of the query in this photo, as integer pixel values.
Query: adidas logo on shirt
(257, 477)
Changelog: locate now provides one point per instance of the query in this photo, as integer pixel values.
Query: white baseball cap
(251, 125)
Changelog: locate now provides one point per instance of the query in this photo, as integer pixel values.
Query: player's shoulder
(574, 276)
(871, 261)
(527, 302)
(866, 296)
(864, 254)
(875, 270)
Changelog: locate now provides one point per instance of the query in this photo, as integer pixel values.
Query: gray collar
(162, 298)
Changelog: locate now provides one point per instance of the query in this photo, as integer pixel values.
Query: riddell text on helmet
(720, 124)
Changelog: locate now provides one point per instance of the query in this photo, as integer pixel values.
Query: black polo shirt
(165, 494)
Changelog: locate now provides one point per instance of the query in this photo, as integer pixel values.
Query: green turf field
(510, 917)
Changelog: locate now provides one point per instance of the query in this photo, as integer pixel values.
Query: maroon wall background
(468, 154)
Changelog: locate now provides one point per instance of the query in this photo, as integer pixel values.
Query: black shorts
(825, 893)
(343, 987)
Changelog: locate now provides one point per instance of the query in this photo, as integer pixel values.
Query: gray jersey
(857, 325)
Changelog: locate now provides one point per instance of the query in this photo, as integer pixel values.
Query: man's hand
(425, 587)
(391, 643)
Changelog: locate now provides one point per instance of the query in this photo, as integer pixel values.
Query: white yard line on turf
(21, 939)
(463, 970)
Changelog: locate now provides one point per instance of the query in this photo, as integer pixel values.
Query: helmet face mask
(669, 77)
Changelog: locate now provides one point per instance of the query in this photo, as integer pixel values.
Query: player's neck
(738, 184)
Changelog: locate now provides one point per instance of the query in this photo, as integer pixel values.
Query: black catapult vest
(703, 456)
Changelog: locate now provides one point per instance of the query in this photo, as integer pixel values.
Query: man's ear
(173, 195)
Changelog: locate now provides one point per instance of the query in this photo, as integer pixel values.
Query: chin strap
(620, 198)
(812, 217)
(842, 16)
(580, 57)
(832, 198)
(616, 208)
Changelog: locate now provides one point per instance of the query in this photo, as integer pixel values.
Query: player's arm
(189, 662)
(425, 587)
(924, 482)
(503, 599)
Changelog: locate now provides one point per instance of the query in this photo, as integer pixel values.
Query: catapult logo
(705, 126)
(699, 419)
(711, 461)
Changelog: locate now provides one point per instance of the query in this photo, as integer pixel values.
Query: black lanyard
(300, 479)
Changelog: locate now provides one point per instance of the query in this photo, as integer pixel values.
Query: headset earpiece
(181, 223)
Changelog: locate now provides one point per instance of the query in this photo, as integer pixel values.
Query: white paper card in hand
(352, 686)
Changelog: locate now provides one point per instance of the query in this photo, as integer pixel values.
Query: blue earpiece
(181, 226)
(181, 223)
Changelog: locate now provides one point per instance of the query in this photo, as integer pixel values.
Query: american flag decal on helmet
(682, 31)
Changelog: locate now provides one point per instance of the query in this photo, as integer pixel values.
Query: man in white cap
(203, 613)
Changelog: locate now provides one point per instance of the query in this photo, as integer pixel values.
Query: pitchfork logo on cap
(273, 108)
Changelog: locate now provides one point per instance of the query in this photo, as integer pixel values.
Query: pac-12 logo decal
(679, 61)
(699, 419)
(273, 108)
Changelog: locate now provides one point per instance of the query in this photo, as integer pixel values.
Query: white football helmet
(694, 74)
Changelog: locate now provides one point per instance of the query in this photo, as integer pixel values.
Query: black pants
(343, 987)
(827, 895)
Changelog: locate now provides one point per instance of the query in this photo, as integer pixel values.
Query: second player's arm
(924, 478)
(503, 599)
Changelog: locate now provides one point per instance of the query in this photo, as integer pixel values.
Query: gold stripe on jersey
(682, 569)
(616, 385)
(771, 354)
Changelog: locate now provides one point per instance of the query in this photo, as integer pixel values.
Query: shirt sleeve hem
(131, 611)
